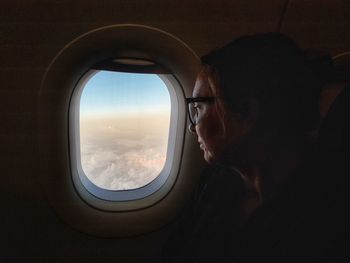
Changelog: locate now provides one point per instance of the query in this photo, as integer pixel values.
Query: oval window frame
(139, 197)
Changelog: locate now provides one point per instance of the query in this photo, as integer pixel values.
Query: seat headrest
(342, 63)
(334, 132)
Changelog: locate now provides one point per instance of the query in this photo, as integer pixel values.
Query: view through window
(124, 129)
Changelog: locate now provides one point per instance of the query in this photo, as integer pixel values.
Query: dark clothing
(208, 228)
(306, 220)
(303, 222)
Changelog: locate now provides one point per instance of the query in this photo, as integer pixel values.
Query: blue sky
(127, 93)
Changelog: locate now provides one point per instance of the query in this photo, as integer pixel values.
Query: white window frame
(98, 196)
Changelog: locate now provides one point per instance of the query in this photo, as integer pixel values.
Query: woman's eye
(197, 106)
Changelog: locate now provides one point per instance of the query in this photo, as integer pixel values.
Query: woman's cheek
(209, 132)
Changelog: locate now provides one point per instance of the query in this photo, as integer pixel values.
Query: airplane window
(124, 121)
(113, 131)
(124, 133)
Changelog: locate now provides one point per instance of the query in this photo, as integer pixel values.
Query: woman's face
(220, 132)
(209, 128)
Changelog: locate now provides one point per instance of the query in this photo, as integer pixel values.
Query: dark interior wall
(33, 31)
(321, 24)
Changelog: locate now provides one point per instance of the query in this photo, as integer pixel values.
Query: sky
(124, 126)
(124, 93)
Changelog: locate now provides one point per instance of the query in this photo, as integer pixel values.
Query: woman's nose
(192, 128)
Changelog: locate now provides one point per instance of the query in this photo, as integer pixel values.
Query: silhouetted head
(265, 93)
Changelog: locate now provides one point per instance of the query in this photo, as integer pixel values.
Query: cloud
(120, 155)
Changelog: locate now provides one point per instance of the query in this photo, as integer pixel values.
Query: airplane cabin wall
(319, 25)
(34, 31)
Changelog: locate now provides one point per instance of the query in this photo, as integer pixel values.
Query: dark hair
(272, 69)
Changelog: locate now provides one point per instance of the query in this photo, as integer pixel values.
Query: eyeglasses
(193, 113)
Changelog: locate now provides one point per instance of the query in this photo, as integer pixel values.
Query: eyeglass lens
(193, 112)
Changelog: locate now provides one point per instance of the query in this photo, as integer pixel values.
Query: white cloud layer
(123, 153)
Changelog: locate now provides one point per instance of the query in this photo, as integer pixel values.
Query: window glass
(124, 127)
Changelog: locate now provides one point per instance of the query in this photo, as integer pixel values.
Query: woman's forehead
(201, 88)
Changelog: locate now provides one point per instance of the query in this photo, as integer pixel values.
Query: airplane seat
(334, 149)
(335, 128)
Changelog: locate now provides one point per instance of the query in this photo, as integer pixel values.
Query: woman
(254, 109)
(254, 106)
